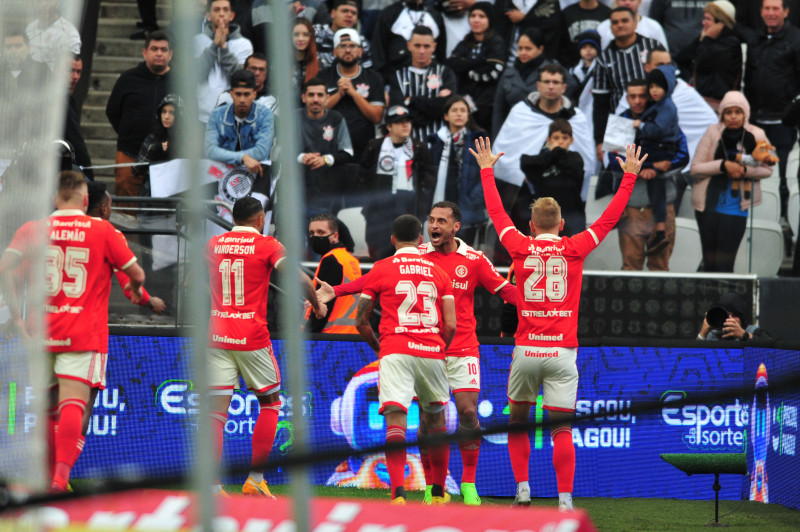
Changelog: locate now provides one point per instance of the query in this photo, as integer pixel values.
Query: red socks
(440, 457)
(519, 450)
(218, 420)
(563, 458)
(396, 458)
(470, 449)
(78, 449)
(264, 434)
(70, 423)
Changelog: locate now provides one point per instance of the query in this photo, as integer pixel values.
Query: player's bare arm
(365, 306)
(483, 153)
(135, 275)
(320, 309)
(325, 292)
(448, 320)
(633, 160)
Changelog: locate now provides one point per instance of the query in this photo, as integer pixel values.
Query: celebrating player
(468, 269)
(418, 322)
(240, 263)
(80, 253)
(549, 271)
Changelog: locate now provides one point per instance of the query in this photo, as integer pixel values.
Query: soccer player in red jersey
(240, 263)
(80, 254)
(418, 322)
(549, 271)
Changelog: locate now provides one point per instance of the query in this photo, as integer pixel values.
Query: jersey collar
(68, 212)
(244, 229)
(548, 236)
(407, 251)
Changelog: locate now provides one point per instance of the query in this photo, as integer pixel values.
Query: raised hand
(633, 162)
(484, 155)
(325, 291)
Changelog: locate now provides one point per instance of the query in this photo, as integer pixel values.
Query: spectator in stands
(241, 133)
(132, 105)
(159, 146)
(147, 10)
(724, 161)
(50, 34)
(326, 149)
(458, 175)
(520, 77)
(714, 60)
(17, 69)
(558, 173)
(72, 128)
(578, 18)
(525, 131)
(393, 31)
(343, 15)
(681, 21)
(478, 61)
(734, 325)
(423, 86)
(515, 16)
(772, 80)
(455, 14)
(305, 52)
(585, 72)
(354, 91)
(257, 64)
(637, 224)
(401, 177)
(748, 15)
(222, 50)
(645, 26)
(620, 62)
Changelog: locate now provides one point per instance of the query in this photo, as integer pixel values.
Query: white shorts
(402, 377)
(464, 374)
(88, 367)
(259, 368)
(553, 367)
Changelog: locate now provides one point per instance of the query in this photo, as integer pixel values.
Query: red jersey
(411, 289)
(467, 269)
(81, 255)
(549, 268)
(239, 265)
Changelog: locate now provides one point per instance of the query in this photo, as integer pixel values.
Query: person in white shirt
(646, 27)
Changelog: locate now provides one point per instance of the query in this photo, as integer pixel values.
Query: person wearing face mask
(328, 238)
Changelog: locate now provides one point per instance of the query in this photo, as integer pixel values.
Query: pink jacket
(704, 165)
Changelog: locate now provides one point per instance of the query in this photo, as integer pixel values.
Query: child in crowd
(159, 146)
(659, 136)
(558, 173)
(588, 48)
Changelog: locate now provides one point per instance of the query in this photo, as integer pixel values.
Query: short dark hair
(406, 228)
(255, 55)
(656, 48)
(534, 34)
(333, 222)
(554, 68)
(156, 36)
(560, 125)
(784, 3)
(622, 8)
(210, 2)
(245, 208)
(77, 57)
(313, 82)
(69, 181)
(636, 82)
(421, 30)
(97, 194)
(449, 205)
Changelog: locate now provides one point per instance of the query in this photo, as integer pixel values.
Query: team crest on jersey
(362, 89)
(327, 133)
(461, 270)
(386, 164)
(235, 184)
(643, 56)
(434, 82)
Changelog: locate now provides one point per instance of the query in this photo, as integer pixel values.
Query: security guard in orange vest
(337, 266)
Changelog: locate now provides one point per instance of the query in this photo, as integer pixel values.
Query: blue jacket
(470, 192)
(255, 136)
(680, 160)
(660, 119)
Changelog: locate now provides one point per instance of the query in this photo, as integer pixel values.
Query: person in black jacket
(557, 172)
(478, 61)
(399, 175)
(159, 146)
(515, 16)
(132, 104)
(72, 128)
(715, 57)
(772, 79)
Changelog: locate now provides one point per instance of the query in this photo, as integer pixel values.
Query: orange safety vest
(342, 319)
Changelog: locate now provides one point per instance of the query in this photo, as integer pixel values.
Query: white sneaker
(523, 497)
(565, 505)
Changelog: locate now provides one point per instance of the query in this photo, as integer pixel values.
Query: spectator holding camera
(728, 321)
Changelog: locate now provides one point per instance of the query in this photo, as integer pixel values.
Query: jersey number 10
(226, 267)
(554, 270)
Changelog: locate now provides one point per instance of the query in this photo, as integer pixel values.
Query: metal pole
(190, 141)
(282, 61)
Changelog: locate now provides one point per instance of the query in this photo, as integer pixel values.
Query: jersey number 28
(554, 270)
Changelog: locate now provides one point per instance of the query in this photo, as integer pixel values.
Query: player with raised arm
(418, 322)
(468, 269)
(80, 255)
(549, 271)
(239, 265)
